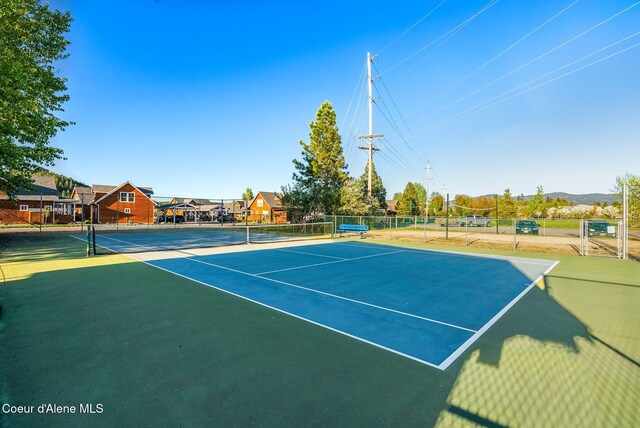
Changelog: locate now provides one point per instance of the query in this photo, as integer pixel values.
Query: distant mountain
(583, 199)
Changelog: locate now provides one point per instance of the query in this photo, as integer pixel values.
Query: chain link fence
(560, 236)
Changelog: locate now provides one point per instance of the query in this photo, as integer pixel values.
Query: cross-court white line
(361, 339)
(129, 243)
(332, 295)
(312, 254)
(492, 321)
(329, 263)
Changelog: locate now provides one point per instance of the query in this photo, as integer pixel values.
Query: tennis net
(132, 239)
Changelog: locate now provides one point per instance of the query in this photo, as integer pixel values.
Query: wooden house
(266, 207)
(123, 204)
(41, 204)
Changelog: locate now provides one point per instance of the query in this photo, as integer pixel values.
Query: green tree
(378, 192)
(507, 206)
(422, 197)
(408, 203)
(247, 196)
(633, 183)
(436, 204)
(397, 196)
(31, 91)
(535, 205)
(321, 173)
(352, 198)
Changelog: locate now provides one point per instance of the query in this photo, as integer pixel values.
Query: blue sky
(206, 98)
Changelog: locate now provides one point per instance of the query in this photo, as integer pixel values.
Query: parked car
(162, 219)
(528, 227)
(473, 220)
(601, 228)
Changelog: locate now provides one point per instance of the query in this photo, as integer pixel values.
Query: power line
(428, 14)
(479, 107)
(464, 23)
(402, 118)
(530, 62)
(504, 51)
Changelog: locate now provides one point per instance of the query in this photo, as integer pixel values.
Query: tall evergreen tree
(507, 206)
(31, 91)
(321, 173)
(536, 203)
(378, 190)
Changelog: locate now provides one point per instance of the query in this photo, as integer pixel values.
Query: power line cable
(464, 23)
(428, 14)
(504, 51)
(479, 107)
(530, 62)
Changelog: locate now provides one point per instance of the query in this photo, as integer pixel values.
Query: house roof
(201, 201)
(119, 187)
(44, 185)
(391, 202)
(271, 198)
(101, 188)
(231, 204)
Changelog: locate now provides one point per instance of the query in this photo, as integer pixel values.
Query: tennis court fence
(564, 236)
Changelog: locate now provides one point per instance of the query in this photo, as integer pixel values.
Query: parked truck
(471, 220)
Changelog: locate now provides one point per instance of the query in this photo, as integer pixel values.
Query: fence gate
(602, 238)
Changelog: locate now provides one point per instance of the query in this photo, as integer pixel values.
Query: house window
(259, 203)
(127, 197)
(24, 207)
(127, 210)
(265, 213)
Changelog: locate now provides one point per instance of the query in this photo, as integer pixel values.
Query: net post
(248, 240)
(93, 235)
(515, 240)
(88, 241)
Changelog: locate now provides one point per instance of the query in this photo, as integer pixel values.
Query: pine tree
(535, 204)
(507, 206)
(378, 191)
(321, 173)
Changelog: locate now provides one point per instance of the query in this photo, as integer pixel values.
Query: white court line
(312, 254)
(333, 295)
(523, 260)
(328, 263)
(442, 366)
(469, 342)
(377, 345)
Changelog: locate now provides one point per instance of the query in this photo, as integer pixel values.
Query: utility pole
(427, 180)
(371, 135)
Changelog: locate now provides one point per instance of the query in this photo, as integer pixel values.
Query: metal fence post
(515, 240)
(625, 221)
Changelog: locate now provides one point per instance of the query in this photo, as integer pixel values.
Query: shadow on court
(156, 349)
(566, 355)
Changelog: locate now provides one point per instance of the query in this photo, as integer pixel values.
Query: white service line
(312, 254)
(522, 260)
(328, 263)
(333, 295)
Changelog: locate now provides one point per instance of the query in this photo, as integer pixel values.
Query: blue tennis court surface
(425, 305)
